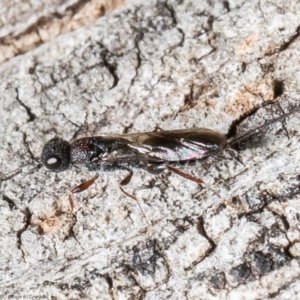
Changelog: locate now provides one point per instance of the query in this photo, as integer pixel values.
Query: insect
(154, 151)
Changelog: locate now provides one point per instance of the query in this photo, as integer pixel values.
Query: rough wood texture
(177, 64)
(26, 24)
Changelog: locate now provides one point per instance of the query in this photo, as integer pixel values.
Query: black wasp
(154, 151)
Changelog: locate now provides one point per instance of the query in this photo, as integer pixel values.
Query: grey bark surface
(26, 24)
(176, 64)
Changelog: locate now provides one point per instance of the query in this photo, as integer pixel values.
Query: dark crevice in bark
(30, 114)
(286, 45)
(27, 220)
(111, 68)
(10, 202)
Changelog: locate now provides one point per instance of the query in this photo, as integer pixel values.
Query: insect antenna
(36, 165)
(257, 129)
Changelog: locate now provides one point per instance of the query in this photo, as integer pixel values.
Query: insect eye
(53, 163)
(56, 155)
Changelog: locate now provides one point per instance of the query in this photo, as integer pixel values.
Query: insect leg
(80, 132)
(185, 175)
(125, 181)
(190, 177)
(158, 168)
(80, 188)
(155, 168)
(235, 156)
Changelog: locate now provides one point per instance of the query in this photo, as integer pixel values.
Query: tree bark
(175, 64)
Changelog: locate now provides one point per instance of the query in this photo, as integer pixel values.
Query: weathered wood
(176, 64)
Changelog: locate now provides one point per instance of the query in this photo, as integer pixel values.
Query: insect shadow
(153, 151)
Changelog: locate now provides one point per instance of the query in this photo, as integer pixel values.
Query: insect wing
(162, 146)
(179, 145)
